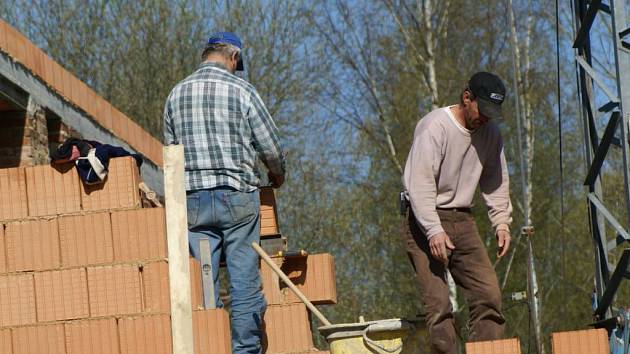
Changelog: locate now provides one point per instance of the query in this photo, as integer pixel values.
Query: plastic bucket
(380, 337)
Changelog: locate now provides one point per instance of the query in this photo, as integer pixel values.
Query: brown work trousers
(473, 273)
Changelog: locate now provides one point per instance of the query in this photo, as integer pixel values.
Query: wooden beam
(177, 235)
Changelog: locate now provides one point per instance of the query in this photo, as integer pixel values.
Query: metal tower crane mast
(616, 114)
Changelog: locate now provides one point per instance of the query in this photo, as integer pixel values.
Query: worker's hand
(275, 180)
(503, 242)
(439, 245)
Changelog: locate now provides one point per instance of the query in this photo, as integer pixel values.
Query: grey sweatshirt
(445, 165)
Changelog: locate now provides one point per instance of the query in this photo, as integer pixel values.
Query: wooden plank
(177, 234)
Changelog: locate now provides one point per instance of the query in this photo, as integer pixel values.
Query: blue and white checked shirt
(224, 126)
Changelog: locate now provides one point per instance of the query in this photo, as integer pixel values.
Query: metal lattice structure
(615, 135)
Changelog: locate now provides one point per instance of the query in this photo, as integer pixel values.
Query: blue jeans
(230, 220)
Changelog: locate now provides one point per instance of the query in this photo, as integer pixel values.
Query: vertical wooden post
(177, 235)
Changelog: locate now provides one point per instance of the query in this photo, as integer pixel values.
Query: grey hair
(224, 49)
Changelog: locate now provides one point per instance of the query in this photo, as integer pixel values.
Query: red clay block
(502, 346)
(271, 283)
(17, 300)
(82, 98)
(86, 239)
(266, 222)
(13, 203)
(133, 134)
(67, 80)
(47, 339)
(33, 59)
(157, 152)
(114, 290)
(144, 143)
(25, 54)
(40, 64)
(49, 73)
(264, 231)
(61, 295)
(51, 191)
(317, 281)
(91, 103)
(20, 52)
(32, 245)
(313, 275)
(120, 124)
(196, 290)
(103, 112)
(3, 255)
(120, 189)
(57, 77)
(139, 234)
(211, 332)
(145, 335)
(3, 35)
(287, 329)
(57, 81)
(155, 286)
(6, 347)
(268, 214)
(75, 90)
(12, 41)
(92, 337)
(591, 341)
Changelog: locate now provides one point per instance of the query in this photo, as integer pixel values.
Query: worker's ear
(468, 96)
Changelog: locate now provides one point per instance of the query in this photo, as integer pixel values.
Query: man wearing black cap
(455, 149)
(224, 127)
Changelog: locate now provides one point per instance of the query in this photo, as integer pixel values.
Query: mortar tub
(372, 337)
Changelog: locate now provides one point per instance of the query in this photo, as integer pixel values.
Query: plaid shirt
(224, 126)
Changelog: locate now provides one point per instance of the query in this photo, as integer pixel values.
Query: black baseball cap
(490, 93)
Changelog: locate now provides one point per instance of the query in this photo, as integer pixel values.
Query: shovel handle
(289, 283)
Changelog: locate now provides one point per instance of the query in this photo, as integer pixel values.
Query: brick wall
(85, 270)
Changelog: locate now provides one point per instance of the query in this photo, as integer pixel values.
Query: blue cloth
(230, 220)
(91, 174)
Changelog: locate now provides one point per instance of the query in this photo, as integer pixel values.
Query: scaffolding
(616, 112)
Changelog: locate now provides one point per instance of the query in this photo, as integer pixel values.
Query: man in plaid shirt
(224, 127)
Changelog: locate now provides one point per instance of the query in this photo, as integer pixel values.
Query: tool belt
(458, 210)
(403, 200)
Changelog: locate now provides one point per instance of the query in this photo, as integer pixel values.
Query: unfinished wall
(85, 270)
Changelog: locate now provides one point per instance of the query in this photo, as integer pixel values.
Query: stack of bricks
(84, 269)
(287, 322)
(589, 341)
(501, 346)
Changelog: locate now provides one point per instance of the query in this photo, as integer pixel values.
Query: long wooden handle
(289, 283)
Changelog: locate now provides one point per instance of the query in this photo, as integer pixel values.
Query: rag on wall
(93, 160)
